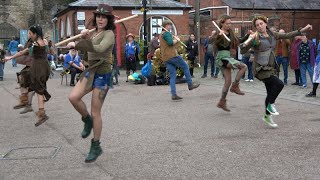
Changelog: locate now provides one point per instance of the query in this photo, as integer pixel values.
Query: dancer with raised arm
(98, 76)
(264, 68)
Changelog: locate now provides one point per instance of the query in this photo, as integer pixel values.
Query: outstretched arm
(25, 51)
(293, 33)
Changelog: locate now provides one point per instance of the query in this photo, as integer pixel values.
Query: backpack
(147, 69)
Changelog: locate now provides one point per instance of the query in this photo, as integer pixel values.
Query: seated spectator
(72, 62)
(51, 55)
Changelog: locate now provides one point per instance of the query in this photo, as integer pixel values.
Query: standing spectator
(294, 61)
(247, 58)
(154, 44)
(316, 75)
(2, 53)
(132, 50)
(282, 54)
(307, 51)
(192, 51)
(13, 49)
(209, 55)
(72, 62)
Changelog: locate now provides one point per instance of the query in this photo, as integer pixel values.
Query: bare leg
(40, 101)
(23, 90)
(227, 82)
(235, 85)
(242, 69)
(76, 95)
(98, 97)
(30, 96)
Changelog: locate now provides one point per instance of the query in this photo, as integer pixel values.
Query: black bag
(151, 80)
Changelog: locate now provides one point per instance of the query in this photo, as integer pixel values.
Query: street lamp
(145, 34)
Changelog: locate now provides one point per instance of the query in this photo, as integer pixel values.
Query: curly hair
(259, 17)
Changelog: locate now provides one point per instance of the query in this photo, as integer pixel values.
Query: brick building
(78, 15)
(288, 15)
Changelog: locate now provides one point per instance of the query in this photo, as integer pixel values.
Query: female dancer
(97, 78)
(39, 71)
(224, 60)
(264, 65)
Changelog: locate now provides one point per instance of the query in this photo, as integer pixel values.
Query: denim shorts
(101, 81)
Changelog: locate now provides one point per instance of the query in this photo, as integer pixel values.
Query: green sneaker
(268, 120)
(271, 108)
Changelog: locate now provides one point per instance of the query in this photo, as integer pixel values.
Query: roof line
(77, 2)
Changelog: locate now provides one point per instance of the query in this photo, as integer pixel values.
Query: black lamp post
(145, 34)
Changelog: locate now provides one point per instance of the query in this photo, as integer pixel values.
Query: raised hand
(306, 28)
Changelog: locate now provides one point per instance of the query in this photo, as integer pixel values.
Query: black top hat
(104, 9)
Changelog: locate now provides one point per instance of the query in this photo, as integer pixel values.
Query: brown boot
(23, 101)
(235, 89)
(42, 117)
(223, 105)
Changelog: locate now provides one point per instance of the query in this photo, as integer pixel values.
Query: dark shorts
(101, 81)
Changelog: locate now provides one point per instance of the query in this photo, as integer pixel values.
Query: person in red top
(294, 62)
(282, 54)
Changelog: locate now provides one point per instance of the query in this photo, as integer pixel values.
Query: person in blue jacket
(13, 49)
(132, 51)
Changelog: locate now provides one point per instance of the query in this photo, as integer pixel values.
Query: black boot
(176, 97)
(191, 72)
(88, 124)
(95, 151)
(313, 93)
(193, 86)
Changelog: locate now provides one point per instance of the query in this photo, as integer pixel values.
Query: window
(61, 29)
(68, 27)
(154, 27)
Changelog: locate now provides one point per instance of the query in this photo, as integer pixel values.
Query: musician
(97, 77)
(173, 60)
(225, 61)
(264, 64)
(39, 71)
(73, 63)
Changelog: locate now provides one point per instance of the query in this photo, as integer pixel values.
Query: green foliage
(141, 54)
